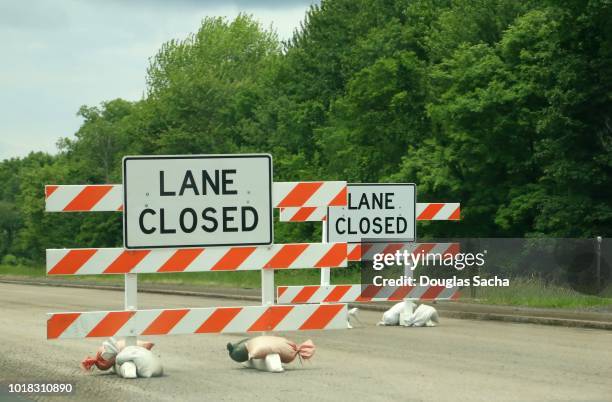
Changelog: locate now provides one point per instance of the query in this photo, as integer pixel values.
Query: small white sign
(374, 212)
(197, 200)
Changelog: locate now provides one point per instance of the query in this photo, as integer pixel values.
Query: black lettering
(214, 184)
(210, 219)
(338, 227)
(389, 201)
(163, 229)
(253, 211)
(227, 219)
(143, 229)
(189, 182)
(363, 201)
(377, 227)
(377, 200)
(163, 192)
(367, 225)
(194, 220)
(389, 224)
(225, 181)
(400, 228)
(350, 227)
(349, 204)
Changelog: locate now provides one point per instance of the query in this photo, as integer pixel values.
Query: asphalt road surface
(459, 360)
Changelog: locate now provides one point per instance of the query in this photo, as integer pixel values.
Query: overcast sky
(59, 55)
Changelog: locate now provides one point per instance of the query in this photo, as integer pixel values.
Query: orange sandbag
(261, 346)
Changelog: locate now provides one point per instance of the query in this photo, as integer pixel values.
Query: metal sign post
(130, 296)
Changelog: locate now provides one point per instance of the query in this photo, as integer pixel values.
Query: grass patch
(534, 292)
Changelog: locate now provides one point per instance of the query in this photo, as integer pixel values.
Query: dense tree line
(503, 105)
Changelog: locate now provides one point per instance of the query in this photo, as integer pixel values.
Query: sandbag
(271, 363)
(105, 356)
(423, 316)
(238, 351)
(147, 364)
(261, 346)
(391, 316)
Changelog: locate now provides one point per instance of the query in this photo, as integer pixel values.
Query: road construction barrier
(96, 261)
(371, 205)
(362, 294)
(196, 321)
(426, 211)
(109, 197)
(245, 180)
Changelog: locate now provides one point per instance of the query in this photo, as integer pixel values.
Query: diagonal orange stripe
(368, 293)
(286, 255)
(429, 212)
(391, 248)
(298, 196)
(58, 323)
(233, 258)
(280, 290)
(302, 214)
(87, 198)
(72, 262)
(424, 248)
(110, 324)
(49, 190)
(270, 318)
(453, 249)
(400, 293)
(340, 199)
(180, 260)
(322, 316)
(432, 293)
(126, 261)
(305, 294)
(334, 257)
(336, 294)
(218, 320)
(165, 322)
(456, 215)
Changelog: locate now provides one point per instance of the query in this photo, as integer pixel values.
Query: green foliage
(501, 105)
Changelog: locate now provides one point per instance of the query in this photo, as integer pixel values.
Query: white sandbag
(391, 316)
(423, 316)
(147, 364)
(126, 370)
(406, 312)
(271, 363)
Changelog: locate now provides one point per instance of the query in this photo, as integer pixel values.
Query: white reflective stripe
(112, 201)
(99, 260)
(61, 197)
(192, 321)
(138, 322)
(245, 319)
(326, 193)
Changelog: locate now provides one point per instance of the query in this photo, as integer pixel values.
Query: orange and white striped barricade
(196, 321)
(362, 294)
(358, 293)
(213, 257)
(357, 250)
(109, 197)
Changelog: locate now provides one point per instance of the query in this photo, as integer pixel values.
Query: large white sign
(197, 200)
(374, 212)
